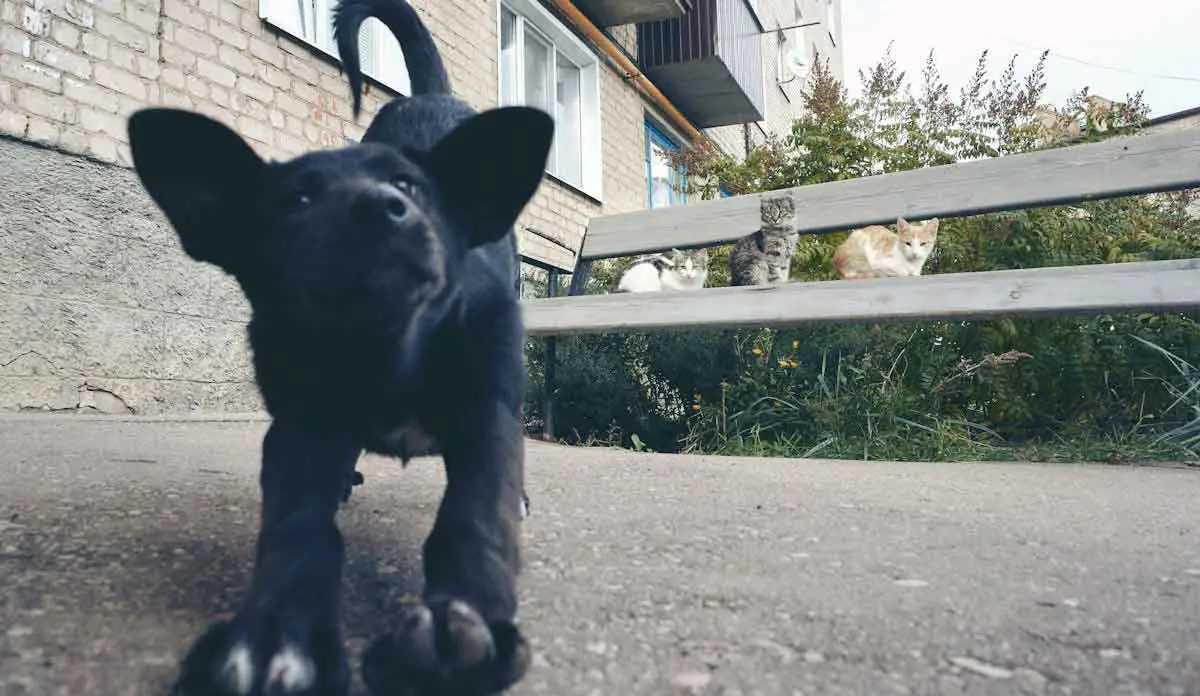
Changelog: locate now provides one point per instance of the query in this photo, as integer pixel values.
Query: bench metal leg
(579, 279)
(550, 359)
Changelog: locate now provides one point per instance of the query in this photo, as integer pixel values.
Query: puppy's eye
(403, 185)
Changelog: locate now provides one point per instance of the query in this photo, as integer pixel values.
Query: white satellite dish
(796, 62)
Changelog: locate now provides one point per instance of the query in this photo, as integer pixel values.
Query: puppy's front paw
(270, 655)
(445, 648)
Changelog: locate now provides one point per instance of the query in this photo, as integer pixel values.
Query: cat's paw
(264, 655)
(445, 648)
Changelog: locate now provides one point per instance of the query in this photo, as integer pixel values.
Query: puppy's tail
(425, 69)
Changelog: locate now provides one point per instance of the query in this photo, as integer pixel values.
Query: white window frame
(532, 15)
(831, 21)
(310, 22)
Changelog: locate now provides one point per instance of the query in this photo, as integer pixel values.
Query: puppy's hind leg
(462, 639)
(286, 639)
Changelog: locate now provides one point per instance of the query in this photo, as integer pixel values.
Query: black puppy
(381, 278)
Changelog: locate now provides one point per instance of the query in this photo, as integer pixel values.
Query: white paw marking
(239, 669)
(291, 669)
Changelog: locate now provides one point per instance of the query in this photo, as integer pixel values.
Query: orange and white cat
(877, 252)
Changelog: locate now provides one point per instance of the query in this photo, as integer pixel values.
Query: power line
(1062, 56)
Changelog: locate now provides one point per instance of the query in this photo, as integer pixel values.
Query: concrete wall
(99, 306)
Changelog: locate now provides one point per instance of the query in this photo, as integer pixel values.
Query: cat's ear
(932, 227)
(901, 224)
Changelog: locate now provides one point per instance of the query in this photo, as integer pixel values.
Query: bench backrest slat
(1112, 168)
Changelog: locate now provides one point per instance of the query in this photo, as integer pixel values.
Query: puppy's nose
(383, 200)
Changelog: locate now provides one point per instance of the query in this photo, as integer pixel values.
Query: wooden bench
(1137, 164)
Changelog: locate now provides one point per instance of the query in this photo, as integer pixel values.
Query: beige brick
(120, 32)
(174, 54)
(267, 52)
(201, 44)
(12, 122)
(276, 119)
(220, 96)
(304, 92)
(62, 59)
(274, 77)
(94, 121)
(149, 68)
(251, 24)
(141, 16)
(212, 7)
(120, 80)
(10, 13)
(253, 128)
(176, 98)
(44, 131)
(230, 12)
(294, 126)
(123, 57)
(173, 77)
(14, 40)
(102, 147)
(64, 33)
(231, 34)
(233, 58)
(90, 94)
(197, 87)
(215, 72)
(302, 68)
(186, 13)
(94, 45)
(257, 90)
(293, 106)
(36, 102)
(36, 20)
(73, 139)
(30, 73)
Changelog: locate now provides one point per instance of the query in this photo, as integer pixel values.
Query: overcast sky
(1149, 41)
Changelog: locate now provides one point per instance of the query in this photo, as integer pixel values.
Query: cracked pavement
(645, 574)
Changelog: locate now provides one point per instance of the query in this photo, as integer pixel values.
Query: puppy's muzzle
(380, 202)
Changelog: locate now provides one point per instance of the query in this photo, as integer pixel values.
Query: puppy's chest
(405, 440)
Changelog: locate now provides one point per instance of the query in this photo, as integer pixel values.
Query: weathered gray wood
(1158, 285)
(1117, 167)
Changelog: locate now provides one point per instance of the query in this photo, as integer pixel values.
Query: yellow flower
(795, 345)
(695, 407)
(756, 350)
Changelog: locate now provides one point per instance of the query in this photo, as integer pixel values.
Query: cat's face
(690, 264)
(916, 241)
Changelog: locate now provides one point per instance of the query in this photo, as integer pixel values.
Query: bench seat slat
(1091, 289)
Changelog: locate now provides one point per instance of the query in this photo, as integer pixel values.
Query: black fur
(381, 278)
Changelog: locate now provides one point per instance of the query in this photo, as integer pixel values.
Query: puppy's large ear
(489, 167)
(202, 175)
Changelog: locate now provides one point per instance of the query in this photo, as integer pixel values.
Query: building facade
(99, 307)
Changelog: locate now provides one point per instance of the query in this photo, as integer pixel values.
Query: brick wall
(99, 306)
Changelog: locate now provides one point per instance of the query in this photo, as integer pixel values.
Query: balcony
(608, 13)
(709, 62)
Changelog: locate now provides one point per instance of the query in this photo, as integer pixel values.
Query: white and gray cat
(765, 256)
(678, 270)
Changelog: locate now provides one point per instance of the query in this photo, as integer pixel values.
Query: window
(311, 21)
(831, 21)
(543, 65)
(663, 182)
